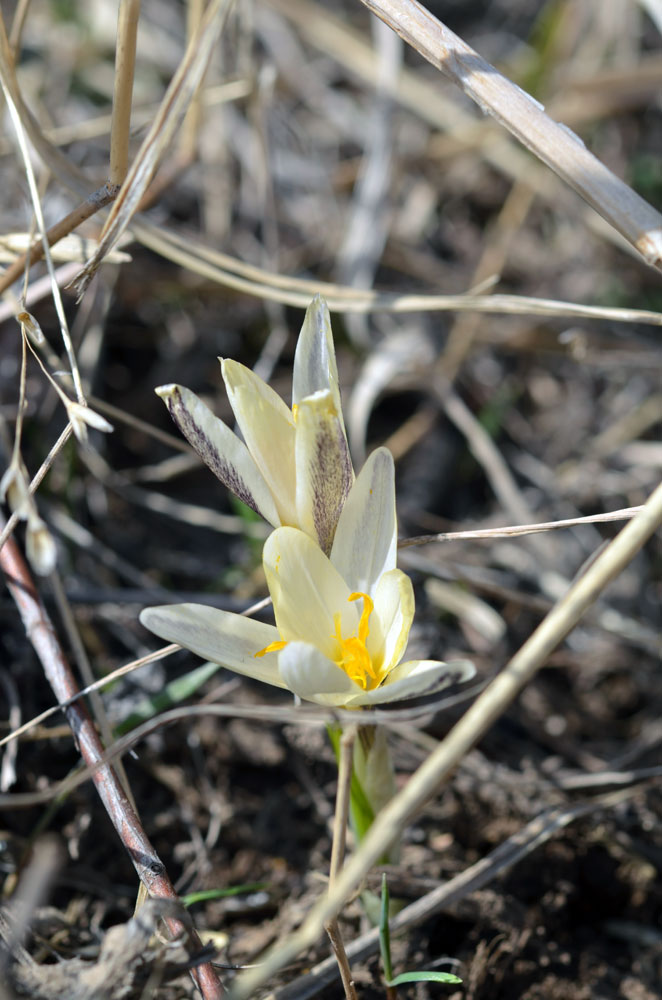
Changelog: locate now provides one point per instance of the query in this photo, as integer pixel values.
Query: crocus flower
(294, 467)
(342, 620)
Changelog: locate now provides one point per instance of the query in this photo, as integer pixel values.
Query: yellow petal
(307, 592)
(267, 426)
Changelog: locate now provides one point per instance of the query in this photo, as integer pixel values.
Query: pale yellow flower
(342, 621)
(293, 466)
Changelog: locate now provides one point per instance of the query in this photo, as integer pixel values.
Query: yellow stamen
(271, 648)
(295, 411)
(354, 658)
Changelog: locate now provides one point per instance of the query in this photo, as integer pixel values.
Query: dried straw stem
(125, 62)
(552, 142)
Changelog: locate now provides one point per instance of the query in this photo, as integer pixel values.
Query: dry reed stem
(519, 529)
(172, 109)
(350, 49)
(124, 818)
(188, 137)
(18, 23)
(524, 117)
(125, 63)
(233, 273)
(471, 727)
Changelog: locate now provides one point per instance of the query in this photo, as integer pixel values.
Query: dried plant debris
(120, 965)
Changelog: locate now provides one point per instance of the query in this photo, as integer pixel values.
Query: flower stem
(346, 749)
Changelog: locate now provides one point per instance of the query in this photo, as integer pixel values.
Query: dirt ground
(493, 420)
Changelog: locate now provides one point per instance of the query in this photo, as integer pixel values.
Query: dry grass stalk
(174, 105)
(519, 529)
(92, 204)
(266, 285)
(125, 62)
(188, 139)
(513, 108)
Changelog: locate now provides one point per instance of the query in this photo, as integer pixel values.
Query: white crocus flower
(294, 467)
(342, 621)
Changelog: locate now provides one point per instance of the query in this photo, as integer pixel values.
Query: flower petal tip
(166, 391)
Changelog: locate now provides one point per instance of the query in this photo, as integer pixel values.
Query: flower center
(354, 658)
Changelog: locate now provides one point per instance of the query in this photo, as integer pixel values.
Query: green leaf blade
(424, 977)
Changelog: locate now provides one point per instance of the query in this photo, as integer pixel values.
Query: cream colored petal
(306, 591)
(267, 426)
(220, 449)
(394, 610)
(315, 359)
(415, 679)
(324, 473)
(219, 636)
(365, 542)
(310, 674)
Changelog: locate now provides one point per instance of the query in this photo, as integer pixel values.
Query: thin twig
(41, 634)
(295, 715)
(85, 669)
(110, 678)
(625, 514)
(233, 273)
